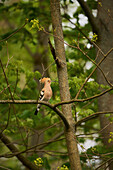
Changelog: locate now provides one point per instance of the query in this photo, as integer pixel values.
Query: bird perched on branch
(46, 92)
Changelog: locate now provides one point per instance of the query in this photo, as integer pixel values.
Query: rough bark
(63, 85)
(105, 20)
(104, 25)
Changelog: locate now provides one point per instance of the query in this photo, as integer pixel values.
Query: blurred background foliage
(19, 57)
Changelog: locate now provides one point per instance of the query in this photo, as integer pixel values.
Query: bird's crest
(44, 79)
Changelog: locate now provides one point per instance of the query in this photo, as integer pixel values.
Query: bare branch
(4, 168)
(40, 146)
(92, 116)
(72, 46)
(89, 14)
(14, 32)
(45, 69)
(61, 115)
(12, 100)
(45, 129)
(54, 54)
(110, 159)
(5, 89)
(97, 66)
(83, 100)
(6, 80)
(57, 104)
(14, 150)
(8, 119)
(56, 153)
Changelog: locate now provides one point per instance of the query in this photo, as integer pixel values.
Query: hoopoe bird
(46, 92)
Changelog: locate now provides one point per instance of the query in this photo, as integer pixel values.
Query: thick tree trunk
(63, 85)
(103, 24)
(105, 20)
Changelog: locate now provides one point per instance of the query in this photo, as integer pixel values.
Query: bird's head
(45, 80)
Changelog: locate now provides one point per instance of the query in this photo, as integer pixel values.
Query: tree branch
(57, 60)
(54, 107)
(83, 100)
(4, 168)
(6, 80)
(38, 146)
(92, 116)
(14, 149)
(57, 104)
(90, 16)
(97, 66)
(103, 163)
(15, 31)
(11, 98)
(60, 114)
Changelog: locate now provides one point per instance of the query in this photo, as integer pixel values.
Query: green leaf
(24, 114)
(0, 47)
(32, 84)
(46, 163)
(37, 75)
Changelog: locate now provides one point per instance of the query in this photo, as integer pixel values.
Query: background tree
(102, 26)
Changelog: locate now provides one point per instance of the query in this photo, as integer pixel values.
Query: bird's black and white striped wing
(41, 98)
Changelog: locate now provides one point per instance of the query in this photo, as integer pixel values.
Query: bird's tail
(37, 110)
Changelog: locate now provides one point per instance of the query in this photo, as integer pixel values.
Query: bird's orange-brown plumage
(46, 92)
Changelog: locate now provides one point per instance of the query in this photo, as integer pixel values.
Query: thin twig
(35, 146)
(14, 32)
(97, 66)
(12, 99)
(5, 88)
(8, 119)
(86, 99)
(45, 69)
(103, 163)
(92, 116)
(4, 168)
(84, 152)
